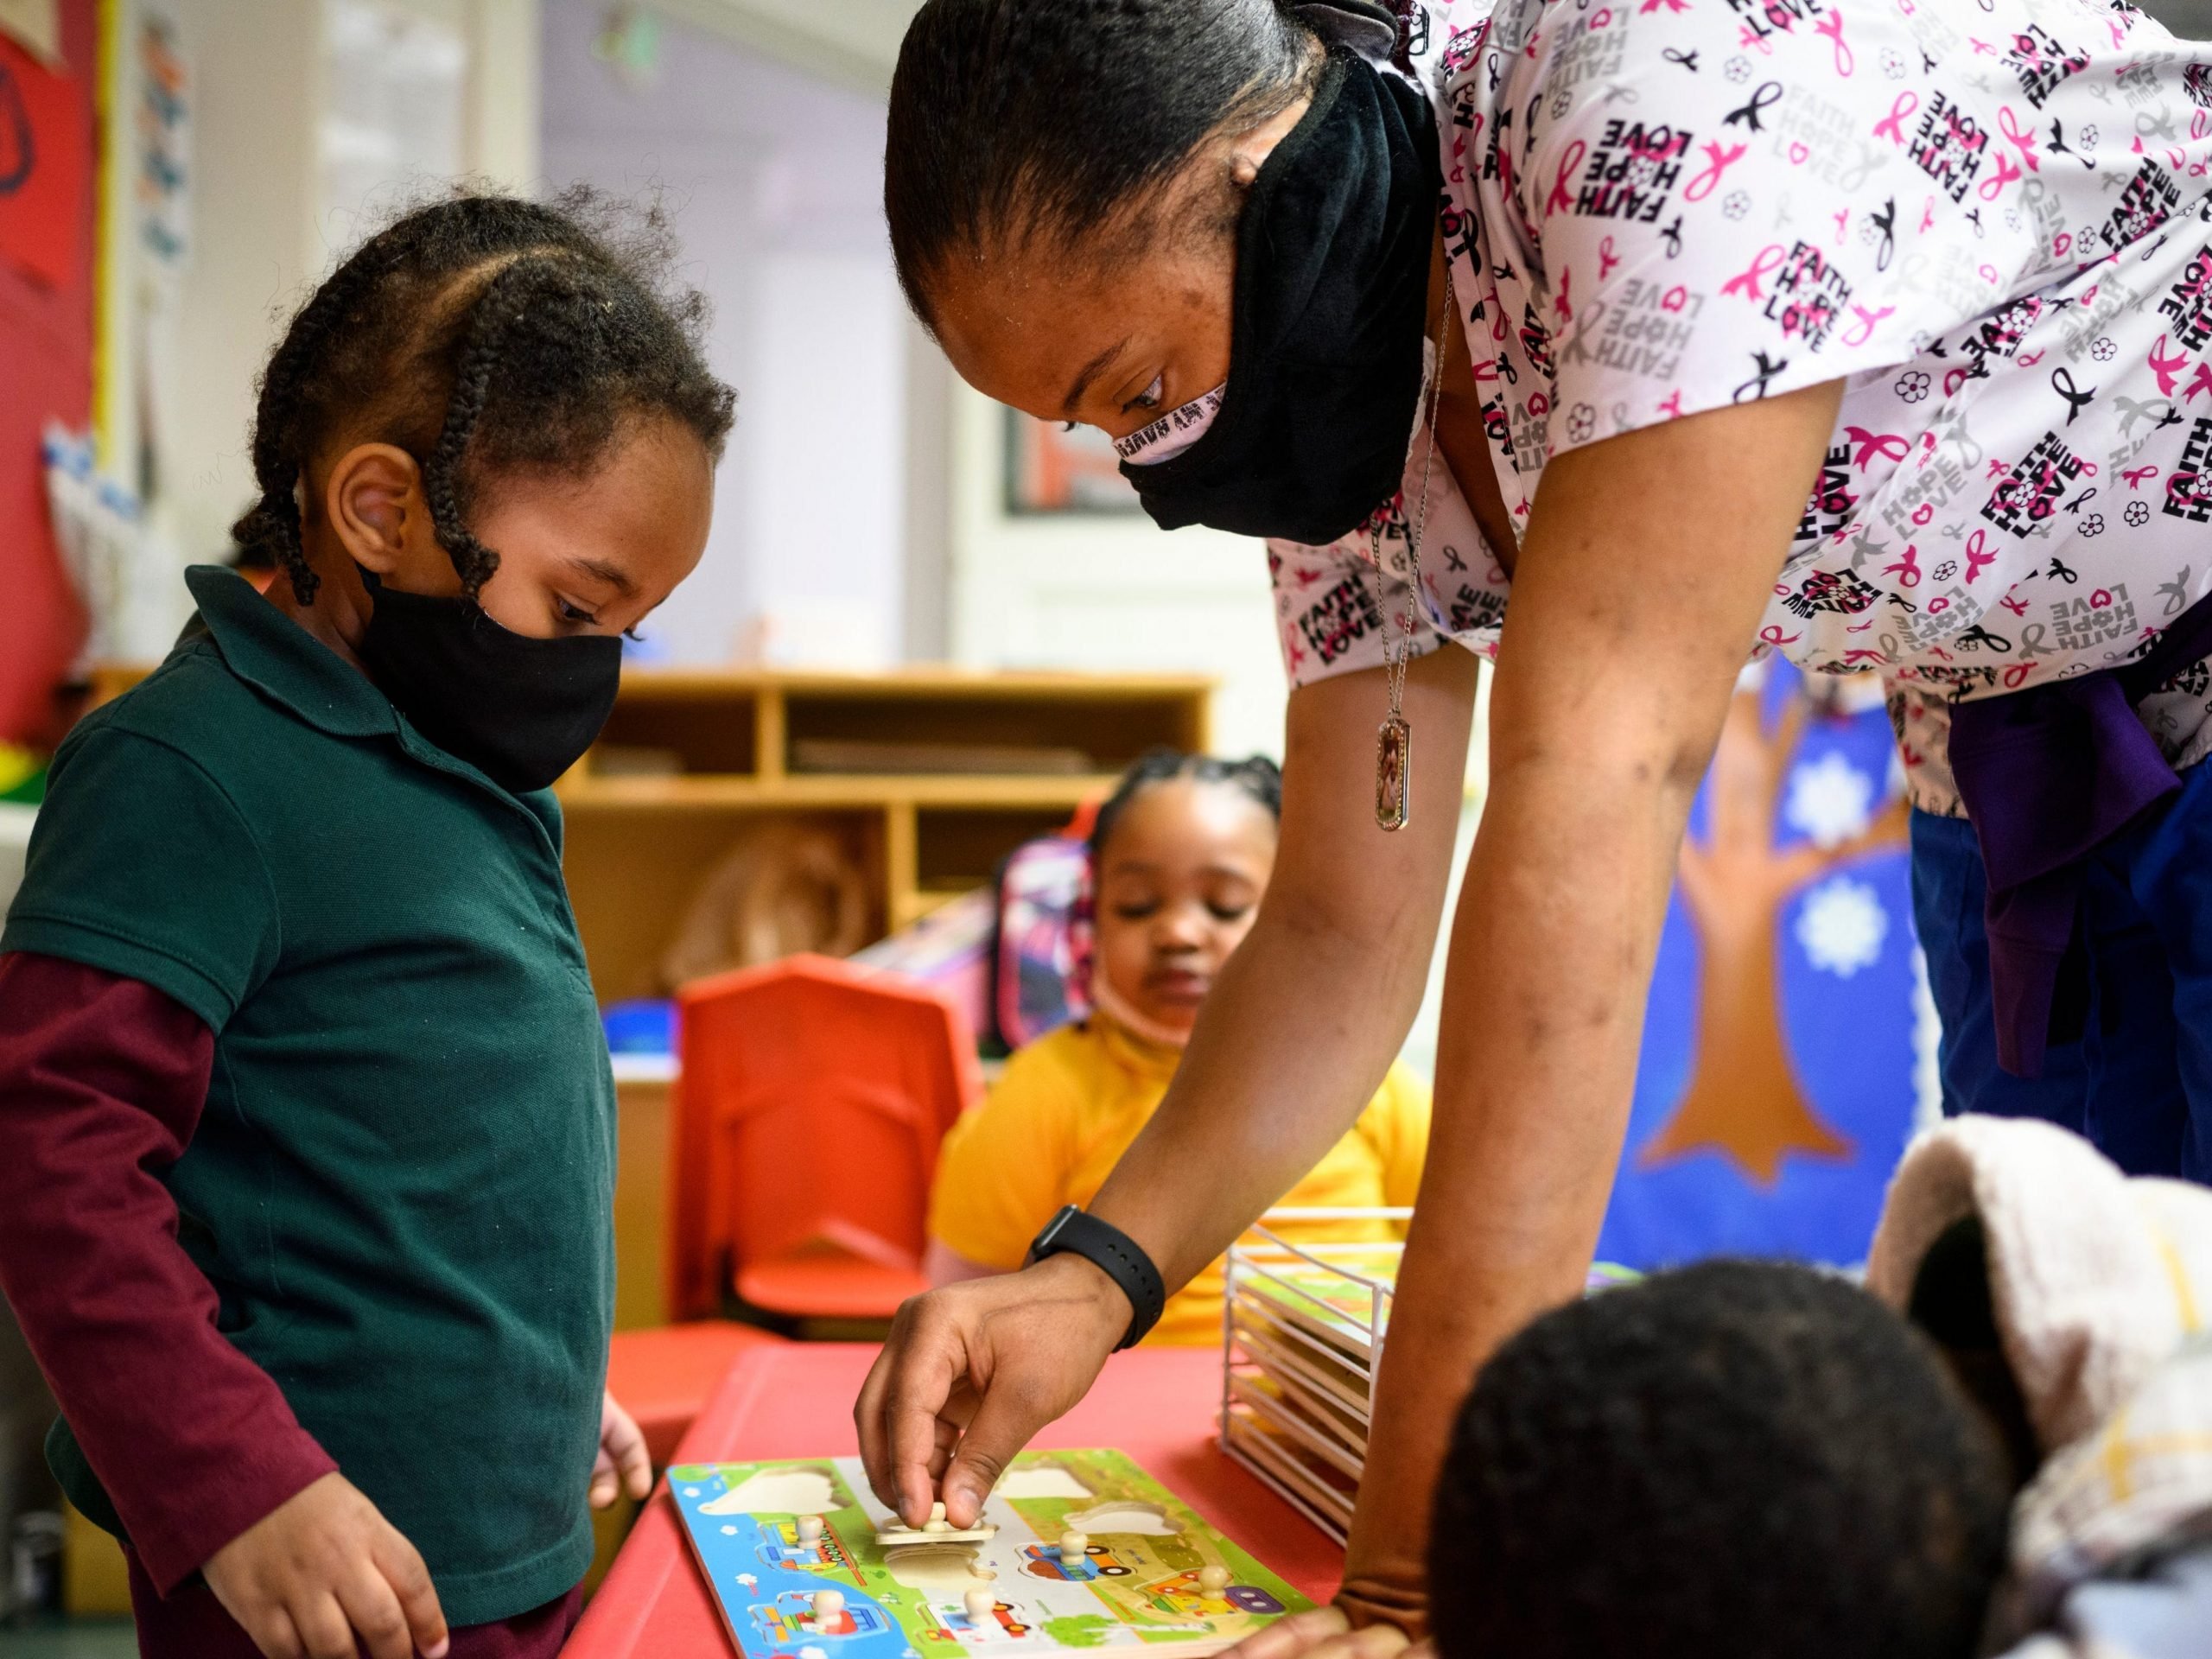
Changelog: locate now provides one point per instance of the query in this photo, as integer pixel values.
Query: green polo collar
(271, 653)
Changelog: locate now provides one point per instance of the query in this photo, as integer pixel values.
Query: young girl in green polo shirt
(307, 1131)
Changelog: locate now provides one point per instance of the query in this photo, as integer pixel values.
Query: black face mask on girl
(1308, 435)
(521, 711)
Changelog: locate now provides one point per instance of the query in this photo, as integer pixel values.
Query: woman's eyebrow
(599, 570)
(1088, 373)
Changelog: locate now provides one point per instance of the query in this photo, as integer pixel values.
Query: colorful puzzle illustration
(791, 1551)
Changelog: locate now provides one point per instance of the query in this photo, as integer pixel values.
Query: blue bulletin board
(1787, 1048)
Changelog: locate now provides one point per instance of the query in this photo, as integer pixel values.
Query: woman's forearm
(1633, 606)
(1550, 958)
(1307, 1015)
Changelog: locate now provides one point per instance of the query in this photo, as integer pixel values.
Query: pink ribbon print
(1559, 197)
(1719, 159)
(2009, 125)
(1895, 445)
(1863, 330)
(2168, 369)
(1978, 555)
(1746, 282)
(1832, 26)
(1891, 126)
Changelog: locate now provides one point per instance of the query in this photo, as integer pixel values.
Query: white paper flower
(1842, 926)
(1830, 800)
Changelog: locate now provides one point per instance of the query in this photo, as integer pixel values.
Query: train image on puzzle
(955, 1623)
(1098, 1561)
(781, 1546)
(791, 1619)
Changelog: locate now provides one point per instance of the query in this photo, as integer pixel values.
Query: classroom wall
(252, 218)
(772, 173)
(261, 233)
(45, 347)
(1111, 592)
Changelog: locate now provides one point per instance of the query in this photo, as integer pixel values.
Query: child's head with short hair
(1179, 856)
(498, 399)
(1737, 1458)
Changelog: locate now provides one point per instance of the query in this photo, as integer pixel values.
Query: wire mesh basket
(1303, 1324)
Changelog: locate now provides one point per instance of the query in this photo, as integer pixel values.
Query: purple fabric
(2048, 775)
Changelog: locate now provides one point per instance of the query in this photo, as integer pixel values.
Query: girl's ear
(375, 503)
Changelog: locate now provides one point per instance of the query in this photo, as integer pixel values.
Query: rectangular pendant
(1394, 774)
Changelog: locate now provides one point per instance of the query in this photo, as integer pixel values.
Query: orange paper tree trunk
(1744, 1100)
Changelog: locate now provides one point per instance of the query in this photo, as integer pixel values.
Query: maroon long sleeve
(102, 1082)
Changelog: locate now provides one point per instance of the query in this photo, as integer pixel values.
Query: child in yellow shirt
(1180, 856)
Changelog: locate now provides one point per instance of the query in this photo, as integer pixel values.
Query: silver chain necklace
(1394, 738)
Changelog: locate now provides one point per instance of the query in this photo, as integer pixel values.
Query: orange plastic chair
(664, 1376)
(811, 1101)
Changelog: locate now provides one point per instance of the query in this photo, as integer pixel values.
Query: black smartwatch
(1117, 1255)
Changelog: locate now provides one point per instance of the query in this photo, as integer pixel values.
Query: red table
(795, 1400)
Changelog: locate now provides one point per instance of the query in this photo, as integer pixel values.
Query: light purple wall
(773, 179)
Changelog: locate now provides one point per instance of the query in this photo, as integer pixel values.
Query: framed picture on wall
(1054, 469)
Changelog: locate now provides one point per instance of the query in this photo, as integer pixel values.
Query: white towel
(2102, 1289)
(2095, 1278)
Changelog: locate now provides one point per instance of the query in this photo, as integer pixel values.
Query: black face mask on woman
(1331, 311)
(521, 711)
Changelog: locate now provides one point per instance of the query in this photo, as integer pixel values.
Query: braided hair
(1016, 120)
(484, 335)
(1256, 776)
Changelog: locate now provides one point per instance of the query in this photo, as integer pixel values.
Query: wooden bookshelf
(688, 760)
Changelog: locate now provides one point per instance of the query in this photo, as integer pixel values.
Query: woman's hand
(320, 1567)
(623, 1465)
(971, 1372)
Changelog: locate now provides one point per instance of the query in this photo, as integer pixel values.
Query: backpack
(1041, 957)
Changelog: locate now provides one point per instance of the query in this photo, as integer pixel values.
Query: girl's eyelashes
(1149, 398)
(576, 615)
(1229, 912)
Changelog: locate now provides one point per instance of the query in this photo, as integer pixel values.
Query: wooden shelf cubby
(688, 760)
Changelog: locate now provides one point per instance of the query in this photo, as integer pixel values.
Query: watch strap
(1120, 1257)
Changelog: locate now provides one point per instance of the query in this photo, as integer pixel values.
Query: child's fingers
(1369, 1642)
(1324, 1633)
(603, 1487)
(371, 1606)
(282, 1640)
(271, 1629)
(401, 1563)
(321, 1623)
(621, 1436)
(637, 1472)
(1292, 1635)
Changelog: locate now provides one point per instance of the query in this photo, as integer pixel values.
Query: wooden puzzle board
(1137, 1583)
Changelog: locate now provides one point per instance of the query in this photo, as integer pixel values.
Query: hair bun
(1368, 28)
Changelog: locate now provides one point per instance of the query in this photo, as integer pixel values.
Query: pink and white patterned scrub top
(1991, 218)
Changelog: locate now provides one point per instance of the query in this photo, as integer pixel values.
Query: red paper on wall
(46, 167)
